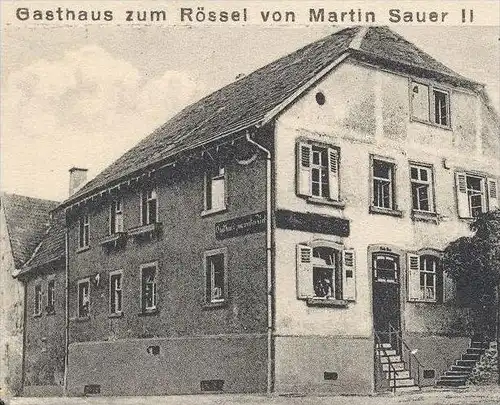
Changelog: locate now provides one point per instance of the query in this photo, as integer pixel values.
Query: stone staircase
(458, 373)
(403, 380)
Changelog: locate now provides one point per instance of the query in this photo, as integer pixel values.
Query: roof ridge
(356, 41)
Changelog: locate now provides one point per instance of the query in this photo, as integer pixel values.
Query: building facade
(23, 223)
(279, 232)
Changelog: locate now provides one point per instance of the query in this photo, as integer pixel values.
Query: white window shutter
(304, 159)
(449, 288)
(333, 173)
(304, 272)
(413, 281)
(349, 275)
(462, 197)
(492, 194)
(420, 101)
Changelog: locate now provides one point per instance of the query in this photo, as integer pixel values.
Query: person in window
(323, 287)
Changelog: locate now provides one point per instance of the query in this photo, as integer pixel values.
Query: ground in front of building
(486, 395)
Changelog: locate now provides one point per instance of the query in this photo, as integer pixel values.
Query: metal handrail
(389, 362)
(402, 343)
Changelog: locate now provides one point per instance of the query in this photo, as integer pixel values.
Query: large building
(23, 224)
(282, 232)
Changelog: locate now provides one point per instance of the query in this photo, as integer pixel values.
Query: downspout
(270, 316)
(66, 320)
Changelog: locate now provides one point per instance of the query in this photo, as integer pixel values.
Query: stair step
(397, 366)
(475, 350)
(458, 373)
(468, 356)
(386, 352)
(466, 363)
(456, 367)
(406, 382)
(393, 359)
(451, 383)
(481, 345)
(452, 378)
(399, 374)
(409, 388)
(384, 345)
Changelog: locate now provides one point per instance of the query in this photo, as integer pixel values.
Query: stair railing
(407, 354)
(378, 360)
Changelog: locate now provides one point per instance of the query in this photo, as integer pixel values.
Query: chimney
(77, 178)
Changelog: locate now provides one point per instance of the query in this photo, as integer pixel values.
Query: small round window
(320, 98)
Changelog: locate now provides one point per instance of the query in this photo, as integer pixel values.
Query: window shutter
(492, 194)
(420, 101)
(349, 275)
(462, 197)
(304, 157)
(449, 288)
(304, 272)
(413, 281)
(333, 173)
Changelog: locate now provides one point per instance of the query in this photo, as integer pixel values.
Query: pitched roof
(249, 101)
(52, 246)
(27, 221)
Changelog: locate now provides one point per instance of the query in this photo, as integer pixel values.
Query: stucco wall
(45, 334)
(186, 234)
(381, 127)
(11, 318)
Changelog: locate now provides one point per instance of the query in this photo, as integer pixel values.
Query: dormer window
(430, 104)
(149, 206)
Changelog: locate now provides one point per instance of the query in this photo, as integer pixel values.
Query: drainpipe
(66, 316)
(268, 264)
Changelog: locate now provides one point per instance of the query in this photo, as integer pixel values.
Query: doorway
(386, 293)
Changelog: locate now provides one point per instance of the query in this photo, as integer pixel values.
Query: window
(421, 188)
(215, 189)
(116, 217)
(475, 194)
(386, 267)
(325, 271)
(84, 231)
(429, 104)
(37, 309)
(148, 288)
(383, 184)
(51, 298)
(115, 293)
(317, 171)
(427, 282)
(215, 276)
(149, 207)
(83, 298)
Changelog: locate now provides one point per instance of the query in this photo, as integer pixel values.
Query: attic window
(320, 98)
(429, 104)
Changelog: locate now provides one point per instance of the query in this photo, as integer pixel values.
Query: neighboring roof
(27, 222)
(249, 101)
(52, 246)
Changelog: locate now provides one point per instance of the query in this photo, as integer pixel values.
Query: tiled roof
(248, 101)
(27, 222)
(52, 246)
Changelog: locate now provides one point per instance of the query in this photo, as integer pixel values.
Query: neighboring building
(44, 278)
(23, 223)
(270, 235)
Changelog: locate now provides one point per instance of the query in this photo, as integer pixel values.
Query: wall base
(169, 366)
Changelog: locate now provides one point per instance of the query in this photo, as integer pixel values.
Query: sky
(82, 96)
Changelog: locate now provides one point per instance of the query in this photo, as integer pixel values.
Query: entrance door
(386, 301)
